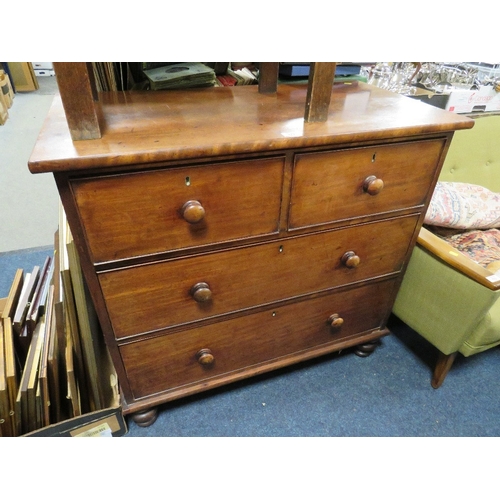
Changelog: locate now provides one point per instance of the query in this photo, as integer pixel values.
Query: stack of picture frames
(51, 347)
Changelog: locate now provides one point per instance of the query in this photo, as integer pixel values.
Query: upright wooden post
(77, 89)
(319, 91)
(268, 77)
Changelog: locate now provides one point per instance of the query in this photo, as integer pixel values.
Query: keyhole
(374, 157)
(188, 181)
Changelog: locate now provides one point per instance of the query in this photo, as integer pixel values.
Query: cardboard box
(437, 100)
(23, 76)
(42, 65)
(486, 99)
(45, 72)
(6, 88)
(4, 112)
(469, 101)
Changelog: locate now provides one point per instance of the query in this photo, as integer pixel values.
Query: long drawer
(159, 295)
(149, 212)
(346, 184)
(192, 357)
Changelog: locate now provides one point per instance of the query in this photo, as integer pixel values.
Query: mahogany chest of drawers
(221, 236)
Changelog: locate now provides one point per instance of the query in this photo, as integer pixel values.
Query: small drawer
(180, 291)
(230, 347)
(149, 212)
(347, 184)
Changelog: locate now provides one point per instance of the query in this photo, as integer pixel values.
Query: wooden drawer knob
(351, 260)
(205, 357)
(372, 185)
(193, 211)
(335, 321)
(201, 292)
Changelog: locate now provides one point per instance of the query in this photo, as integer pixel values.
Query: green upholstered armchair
(446, 297)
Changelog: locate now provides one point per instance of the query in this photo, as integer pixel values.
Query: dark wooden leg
(442, 368)
(364, 350)
(145, 418)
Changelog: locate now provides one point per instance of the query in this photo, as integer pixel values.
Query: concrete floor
(29, 204)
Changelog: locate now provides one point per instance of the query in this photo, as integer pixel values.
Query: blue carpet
(20, 259)
(386, 394)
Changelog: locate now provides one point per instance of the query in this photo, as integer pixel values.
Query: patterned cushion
(463, 206)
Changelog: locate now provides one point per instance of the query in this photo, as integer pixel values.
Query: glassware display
(396, 77)
(381, 75)
(439, 77)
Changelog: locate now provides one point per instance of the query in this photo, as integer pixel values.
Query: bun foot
(145, 418)
(364, 350)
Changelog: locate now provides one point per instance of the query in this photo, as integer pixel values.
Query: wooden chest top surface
(154, 126)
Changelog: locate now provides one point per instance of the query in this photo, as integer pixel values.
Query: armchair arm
(459, 261)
